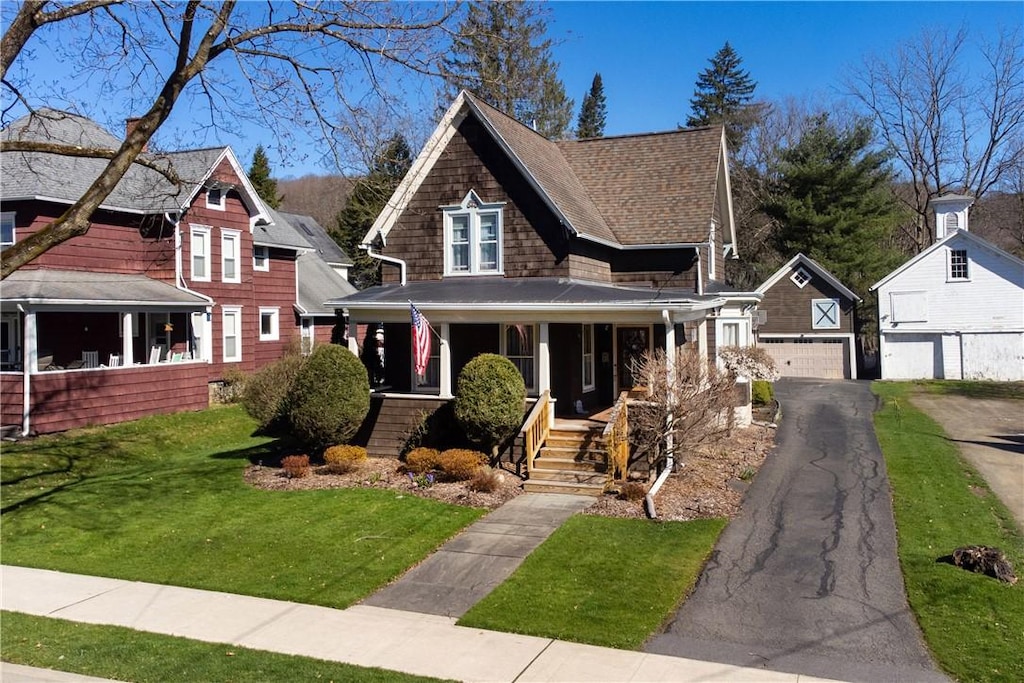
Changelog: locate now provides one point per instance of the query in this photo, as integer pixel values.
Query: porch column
(30, 362)
(445, 352)
(353, 337)
(544, 367)
(702, 338)
(127, 341)
(670, 349)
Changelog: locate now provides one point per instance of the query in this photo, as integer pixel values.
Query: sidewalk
(362, 635)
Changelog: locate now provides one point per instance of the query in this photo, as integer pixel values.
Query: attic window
(215, 198)
(800, 278)
(472, 237)
(958, 266)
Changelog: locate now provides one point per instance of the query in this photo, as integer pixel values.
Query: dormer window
(473, 237)
(800, 278)
(215, 198)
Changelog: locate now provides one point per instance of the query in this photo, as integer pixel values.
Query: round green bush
(264, 393)
(329, 398)
(489, 401)
(761, 392)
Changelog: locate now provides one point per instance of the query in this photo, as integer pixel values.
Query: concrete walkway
(471, 565)
(423, 644)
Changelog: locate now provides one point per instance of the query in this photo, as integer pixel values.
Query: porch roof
(81, 288)
(521, 294)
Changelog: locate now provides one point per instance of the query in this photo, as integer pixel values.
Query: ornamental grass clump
(342, 459)
(460, 464)
(485, 480)
(330, 397)
(490, 401)
(295, 466)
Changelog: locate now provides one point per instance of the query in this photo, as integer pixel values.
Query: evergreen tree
(501, 56)
(723, 96)
(368, 197)
(832, 200)
(593, 111)
(259, 175)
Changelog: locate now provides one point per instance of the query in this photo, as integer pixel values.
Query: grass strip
(601, 581)
(162, 500)
(973, 624)
(123, 654)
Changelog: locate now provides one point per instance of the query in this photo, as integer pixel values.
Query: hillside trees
(291, 66)
(593, 111)
(366, 201)
(500, 55)
(949, 129)
(259, 176)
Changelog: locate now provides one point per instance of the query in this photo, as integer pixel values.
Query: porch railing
(616, 439)
(536, 428)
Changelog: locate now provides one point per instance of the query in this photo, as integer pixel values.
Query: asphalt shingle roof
(65, 178)
(318, 282)
(74, 286)
(317, 236)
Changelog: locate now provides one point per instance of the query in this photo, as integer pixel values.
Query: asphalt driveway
(806, 579)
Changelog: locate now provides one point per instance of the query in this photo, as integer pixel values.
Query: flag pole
(436, 333)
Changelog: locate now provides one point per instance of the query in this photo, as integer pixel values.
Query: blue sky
(649, 53)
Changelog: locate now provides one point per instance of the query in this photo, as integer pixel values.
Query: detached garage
(805, 321)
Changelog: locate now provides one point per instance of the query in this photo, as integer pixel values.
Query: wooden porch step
(546, 486)
(569, 476)
(567, 461)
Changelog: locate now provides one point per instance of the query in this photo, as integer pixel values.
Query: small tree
(259, 176)
(489, 401)
(330, 397)
(692, 405)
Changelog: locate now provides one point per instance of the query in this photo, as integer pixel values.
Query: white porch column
(543, 361)
(353, 337)
(127, 341)
(702, 338)
(670, 348)
(445, 352)
(29, 363)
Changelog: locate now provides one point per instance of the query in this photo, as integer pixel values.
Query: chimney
(951, 214)
(129, 126)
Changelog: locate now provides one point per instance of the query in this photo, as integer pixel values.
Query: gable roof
(955, 236)
(812, 265)
(318, 283)
(64, 179)
(654, 189)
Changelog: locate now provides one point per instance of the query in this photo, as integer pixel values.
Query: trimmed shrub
(329, 398)
(485, 480)
(460, 464)
(265, 392)
(632, 491)
(420, 460)
(342, 459)
(295, 466)
(761, 392)
(490, 401)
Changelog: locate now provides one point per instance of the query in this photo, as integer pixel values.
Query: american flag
(420, 341)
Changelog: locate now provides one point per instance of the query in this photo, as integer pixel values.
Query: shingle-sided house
(806, 321)
(570, 258)
(956, 310)
(175, 283)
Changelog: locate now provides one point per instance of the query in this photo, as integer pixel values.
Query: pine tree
(723, 95)
(501, 56)
(259, 175)
(832, 200)
(368, 197)
(593, 111)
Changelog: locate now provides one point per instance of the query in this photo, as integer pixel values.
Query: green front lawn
(162, 500)
(602, 581)
(126, 655)
(973, 624)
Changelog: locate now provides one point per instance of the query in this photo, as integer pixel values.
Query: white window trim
(275, 323)
(265, 251)
(474, 208)
(200, 232)
(814, 314)
(226, 237)
(588, 331)
(949, 266)
(11, 216)
(798, 274)
(531, 386)
(235, 311)
(712, 267)
(222, 205)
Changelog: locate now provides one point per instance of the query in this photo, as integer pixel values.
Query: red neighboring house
(174, 285)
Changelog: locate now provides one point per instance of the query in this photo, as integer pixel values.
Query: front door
(631, 345)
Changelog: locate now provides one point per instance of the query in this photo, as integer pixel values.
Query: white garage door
(912, 356)
(823, 358)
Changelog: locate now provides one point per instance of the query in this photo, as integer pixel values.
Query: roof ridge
(655, 133)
